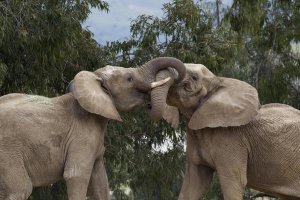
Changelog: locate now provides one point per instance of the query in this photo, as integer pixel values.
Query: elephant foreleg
(232, 186)
(15, 183)
(77, 173)
(232, 173)
(196, 181)
(77, 188)
(98, 187)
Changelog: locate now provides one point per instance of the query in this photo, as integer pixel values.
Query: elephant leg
(98, 187)
(77, 173)
(233, 179)
(231, 159)
(16, 192)
(232, 187)
(15, 183)
(196, 181)
(77, 188)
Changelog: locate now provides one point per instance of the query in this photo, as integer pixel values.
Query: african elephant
(43, 140)
(230, 133)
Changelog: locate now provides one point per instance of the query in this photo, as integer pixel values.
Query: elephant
(231, 134)
(43, 140)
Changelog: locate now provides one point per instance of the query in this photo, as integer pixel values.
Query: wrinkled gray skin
(43, 140)
(230, 134)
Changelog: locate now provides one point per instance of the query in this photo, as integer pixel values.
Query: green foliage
(134, 159)
(185, 31)
(214, 192)
(265, 57)
(3, 71)
(57, 191)
(42, 44)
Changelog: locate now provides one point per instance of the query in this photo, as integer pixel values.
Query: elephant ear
(86, 88)
(171, 115)
(234, 103)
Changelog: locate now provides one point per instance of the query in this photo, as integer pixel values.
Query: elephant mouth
(196, 93)
(191, 91)
(188, 89)
(147, 101)
(149, 105)
(105, 89)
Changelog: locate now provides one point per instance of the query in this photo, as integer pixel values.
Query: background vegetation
(43, 45)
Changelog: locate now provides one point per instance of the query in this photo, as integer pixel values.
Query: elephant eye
(129, 79)
(195, 78)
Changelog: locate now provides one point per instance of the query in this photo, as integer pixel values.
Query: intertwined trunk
(158, 69)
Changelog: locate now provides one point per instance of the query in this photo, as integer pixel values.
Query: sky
(115, 25)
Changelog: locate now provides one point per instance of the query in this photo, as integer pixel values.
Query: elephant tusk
(159, 83)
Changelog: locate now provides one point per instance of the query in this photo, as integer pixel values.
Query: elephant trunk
(155, 70)
(151, 68)
(159, 95)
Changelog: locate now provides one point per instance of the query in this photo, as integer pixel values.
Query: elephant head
(207, 100)
(111, 88)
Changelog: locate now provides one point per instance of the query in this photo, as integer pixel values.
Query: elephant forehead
(110, 70)
(199, 69)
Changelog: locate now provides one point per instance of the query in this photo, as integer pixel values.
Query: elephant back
(20, 113)
(10, 98)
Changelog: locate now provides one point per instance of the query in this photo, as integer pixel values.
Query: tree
(267, 31)
(42, 44)
(186, 32)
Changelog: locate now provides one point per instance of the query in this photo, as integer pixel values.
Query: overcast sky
(115, 24)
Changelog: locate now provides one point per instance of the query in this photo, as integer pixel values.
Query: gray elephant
(229, 133)
(43, 140)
